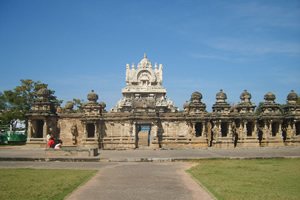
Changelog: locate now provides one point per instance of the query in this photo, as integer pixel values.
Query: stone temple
(144, 118)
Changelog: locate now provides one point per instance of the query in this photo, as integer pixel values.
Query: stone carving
(74, 133)
(196, 106)
(69, 106)
(270, 107)
(43, 93)
(292, 108)
(221, 106)
(245, 106)
(144, 87)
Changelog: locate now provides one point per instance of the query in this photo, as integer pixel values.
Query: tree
(258, 108)
(2, 102)
(16, 103)
(78, 103)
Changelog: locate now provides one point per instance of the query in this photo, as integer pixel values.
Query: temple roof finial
(145, 56)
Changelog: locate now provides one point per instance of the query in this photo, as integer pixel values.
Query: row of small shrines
(194, 127)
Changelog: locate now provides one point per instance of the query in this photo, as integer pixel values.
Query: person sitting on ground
(58, 146)
(51, 143)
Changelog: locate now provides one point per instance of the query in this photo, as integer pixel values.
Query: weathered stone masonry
(144, 118)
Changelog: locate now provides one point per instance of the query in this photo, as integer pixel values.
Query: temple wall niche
(166, 129)
(110, 126)
(182, 129)
(128, 129)
(65, 126)
(174, 129)
(117, 129)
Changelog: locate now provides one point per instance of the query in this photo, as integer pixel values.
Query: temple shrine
(145, 119)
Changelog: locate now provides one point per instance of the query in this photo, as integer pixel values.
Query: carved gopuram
(144, 90)
(144, 118)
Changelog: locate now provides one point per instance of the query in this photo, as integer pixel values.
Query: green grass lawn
(250, 179)
(40, 183)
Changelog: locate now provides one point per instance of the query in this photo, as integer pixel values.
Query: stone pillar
(294, 128)
(209, 133)
(245, 129)
(193, 129)
(203, 130)
(270, 128)
(214, 130)
(279, 133)
(84, 130)
(219, 130)
(100, 129)
(255, 131)
(265, 130)
(289, 130)
(96, 136)
(45, 129)
(134, 128)
(29, 133)
(229, 130)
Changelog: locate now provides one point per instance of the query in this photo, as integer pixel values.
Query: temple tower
(42, 120)
(144, 91)
(271, 120)
(244, 126)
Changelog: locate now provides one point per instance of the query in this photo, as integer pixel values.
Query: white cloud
(254, 46)
(260, 13)
(225, 58)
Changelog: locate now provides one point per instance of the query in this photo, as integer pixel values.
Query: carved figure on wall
(209, 140)
(214, 130)
(74, 133)
(190, 129)
(235, 135)
(240, 131)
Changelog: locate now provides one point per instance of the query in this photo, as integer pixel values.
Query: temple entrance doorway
(249, 128)
(143, 136)
(198, 128)
(91, 130)
(224, 129)
(275, 128)
(40, 128)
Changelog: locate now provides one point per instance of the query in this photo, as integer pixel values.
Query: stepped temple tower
(145, 119)
(144, 90)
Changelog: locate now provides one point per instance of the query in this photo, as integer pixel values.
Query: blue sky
(76, 46)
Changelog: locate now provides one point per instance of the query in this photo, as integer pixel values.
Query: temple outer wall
(120, 131)
(116, 131)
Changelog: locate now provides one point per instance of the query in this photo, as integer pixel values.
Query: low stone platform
(72, 151)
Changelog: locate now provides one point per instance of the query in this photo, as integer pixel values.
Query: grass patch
(250, 179)
(40, 183)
